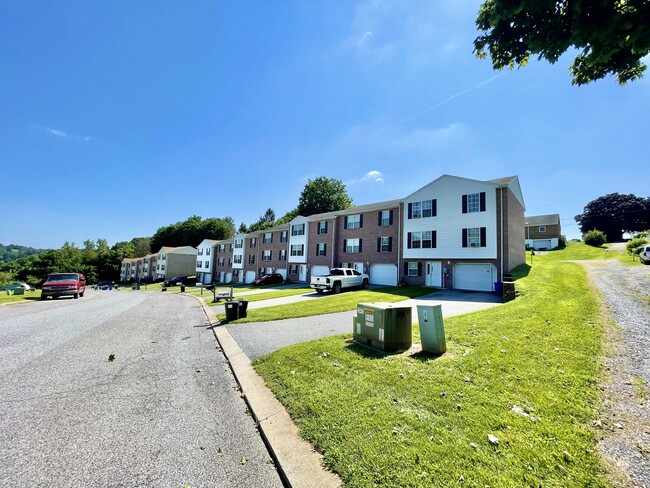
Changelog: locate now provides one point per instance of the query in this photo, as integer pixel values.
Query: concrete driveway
(259, 338)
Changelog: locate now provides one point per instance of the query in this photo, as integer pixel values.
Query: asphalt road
(166, 412)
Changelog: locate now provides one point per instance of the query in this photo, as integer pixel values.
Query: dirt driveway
(625, 421)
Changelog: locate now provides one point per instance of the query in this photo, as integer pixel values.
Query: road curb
(298, 463)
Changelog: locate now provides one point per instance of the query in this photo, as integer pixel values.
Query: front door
(303, 273)
(433, 274)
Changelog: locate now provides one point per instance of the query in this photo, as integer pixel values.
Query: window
(421, 240)
(200, 253)
(352, 245)
(207, 265)
(475, 237)
(353, 222)
(230, 247)
(322, 227)
(229, 261)
(321, 249)
(164, 257)
(298, 230)
(542, 228)
(162, 267)
(293, 268)
(222, 247)
(283, 254)
(251, 259)
(238, 259)
(239, 244)
(253, 242)
(207, 251)
(284, 236)
(221, 262)
(266, 255)
(297, 249)
(384, 244)
(413, 269)
(474, 202)
(268, 238)
(385, 218)
(199, 264)
(422, 210)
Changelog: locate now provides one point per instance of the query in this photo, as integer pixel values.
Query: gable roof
(370, 207)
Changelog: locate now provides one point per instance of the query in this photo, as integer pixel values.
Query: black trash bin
(243, 307)
(232, 310)
(182, 288)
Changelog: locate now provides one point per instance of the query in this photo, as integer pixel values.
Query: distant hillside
(11, 252)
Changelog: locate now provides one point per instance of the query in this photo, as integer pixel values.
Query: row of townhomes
(452, 233)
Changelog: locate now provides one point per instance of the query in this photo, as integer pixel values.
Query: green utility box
(383, 326)
(432, 329)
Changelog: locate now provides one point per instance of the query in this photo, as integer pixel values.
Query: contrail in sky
(455, 95)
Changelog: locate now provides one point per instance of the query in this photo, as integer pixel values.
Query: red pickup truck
(63, 284)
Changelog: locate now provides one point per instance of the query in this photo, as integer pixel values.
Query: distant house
(543, 232)
(205, 261)
(175, 261)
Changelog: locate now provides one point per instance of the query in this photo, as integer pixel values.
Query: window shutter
(360, 245)
(410, 214)
(464, 237)
(326, 227)
(406, 268)
(360, 221)
(419, 269)
(408, 240)
(482, 197)
(434, 207)
(317, 246)
(465, 205)
(390, 218)
(483, 237)
(325, 249)
(433, 239)
(345, 243)
(379, 243)
(345, 222)
(379, 218)
(390, 244)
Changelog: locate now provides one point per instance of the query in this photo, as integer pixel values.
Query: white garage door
(282, 271)
(476, 277)
(250, 276)
(542, 244)
(383, 274)
(320, 271)
(207, 278)
(228, 278)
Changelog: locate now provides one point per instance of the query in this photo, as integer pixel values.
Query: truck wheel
(336, 288)
(365, 284)
(82, 293)
(319, 291)
(76, 295)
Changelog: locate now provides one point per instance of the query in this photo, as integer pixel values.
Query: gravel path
(625, 443)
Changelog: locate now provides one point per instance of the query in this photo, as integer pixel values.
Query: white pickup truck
(338, 279)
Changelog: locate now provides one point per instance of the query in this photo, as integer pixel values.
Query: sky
(117, 118)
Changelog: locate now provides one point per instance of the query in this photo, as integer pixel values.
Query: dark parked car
(177, 280)
(268, 279)
(644, 255)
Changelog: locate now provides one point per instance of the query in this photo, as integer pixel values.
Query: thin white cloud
(64, 135)
(373, 176)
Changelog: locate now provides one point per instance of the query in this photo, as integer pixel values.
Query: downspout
(501, 235)
(333, 243)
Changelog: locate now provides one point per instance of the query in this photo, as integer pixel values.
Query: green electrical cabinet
(383, 326)
(432, 329)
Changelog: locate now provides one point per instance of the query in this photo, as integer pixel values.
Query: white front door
(358, 267)
(302, 276)
(433, 274)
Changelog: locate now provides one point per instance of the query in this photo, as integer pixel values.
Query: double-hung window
(421, 240)
(297, 249)
(284, 236)
(298, 230)
(321, 249)
(238, 259)
(268, 238)
(475, 237)
(251, 259)
(385, 218)
(283, 254)
(353, 245)
(385, 244)
(353, 222)
(413, 269)
(474, 202)
(266, 255)
(322, 227)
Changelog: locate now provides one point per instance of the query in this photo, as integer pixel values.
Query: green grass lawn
(580, 251)
(415, 420)
(28, 296)
(332, 303)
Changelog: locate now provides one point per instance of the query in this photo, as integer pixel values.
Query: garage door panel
(383, 274)
(474, 277)
(320, 270)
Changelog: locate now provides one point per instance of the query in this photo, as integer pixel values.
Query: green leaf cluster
(612, 36)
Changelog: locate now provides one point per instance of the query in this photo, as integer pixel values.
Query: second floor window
(353, 222)
(352, 245)
(297, 249)
(268, 238)
(322, 227)
(298, 230)
(284, 236)
(283, 255)
(238, 259)
(321, 249)
(266, 255)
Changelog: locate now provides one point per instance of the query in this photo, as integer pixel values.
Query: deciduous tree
(612, 36)
(323, 195)
(615, 214)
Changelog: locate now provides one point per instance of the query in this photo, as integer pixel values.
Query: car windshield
(337, 272)
(62, 277)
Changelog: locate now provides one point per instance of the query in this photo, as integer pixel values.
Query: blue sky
(120, 117)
